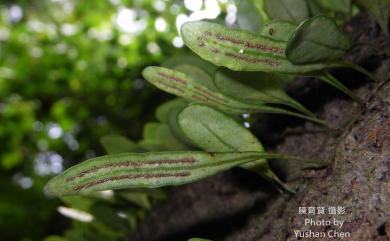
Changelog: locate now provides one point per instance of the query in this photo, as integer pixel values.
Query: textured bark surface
(239, 206)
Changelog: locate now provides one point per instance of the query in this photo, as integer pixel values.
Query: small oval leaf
(317, 40)
(213, 130)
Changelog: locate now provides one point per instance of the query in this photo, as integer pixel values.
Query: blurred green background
(70, 74)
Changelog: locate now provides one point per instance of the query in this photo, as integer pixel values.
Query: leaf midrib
(217, 137)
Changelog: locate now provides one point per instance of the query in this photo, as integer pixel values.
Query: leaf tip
(186, 27)
(146, 72)
(49, 189)
(56, 187)
(189, 31)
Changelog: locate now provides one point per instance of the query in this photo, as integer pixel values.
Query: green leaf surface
(248, 16)
(240, 50)
(118, 144)
(279, 30)
(317, 39)
(212, 130)
(287, 10)
(380, 9)
(336, 5)
(255, 88)
(144, 170)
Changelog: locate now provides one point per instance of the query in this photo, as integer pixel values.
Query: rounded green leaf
(317, 40)
(212, 130)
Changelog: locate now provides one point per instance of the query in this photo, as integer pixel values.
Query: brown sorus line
(172, 87)
(204, 34)
(208, 94)
(206, 99)
(214, 50)
(230, 39)
(201, 99)
(252, 60)
(131, 176)
(216, 101)
(264, 47)
(209, 101)
(131, 164)
(174, 78)
(248, 44)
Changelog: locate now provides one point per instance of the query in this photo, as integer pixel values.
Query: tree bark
(239, 206)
